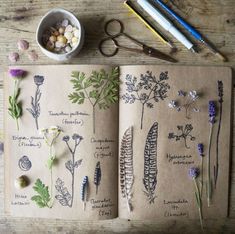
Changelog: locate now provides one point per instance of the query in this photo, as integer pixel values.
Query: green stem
(208, 168)
(17, 124)
(201, 177)
(199, 202)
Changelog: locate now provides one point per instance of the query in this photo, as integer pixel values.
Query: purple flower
(66, 138)
(77, 137)
(181, 93)
(38, 80)
(212, 112)
(200, 148)
(193, 172)
(17, 73)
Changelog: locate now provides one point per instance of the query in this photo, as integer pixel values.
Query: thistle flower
(38, 80)
(212, 111)
(193, 172)
(17, 73)
(200, 148)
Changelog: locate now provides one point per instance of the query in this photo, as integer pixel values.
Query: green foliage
(15, 107)
(43, 198)
(100, 88)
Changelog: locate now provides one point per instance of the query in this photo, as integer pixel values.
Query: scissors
(144, 48)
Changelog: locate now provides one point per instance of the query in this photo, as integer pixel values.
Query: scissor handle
(101, 47)
(115, 34)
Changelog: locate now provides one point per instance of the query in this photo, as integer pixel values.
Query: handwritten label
(175, 208)
(103, 206)
(69, 118)
(20, 200)
(102, 148)
(25, 141)
(180, 159)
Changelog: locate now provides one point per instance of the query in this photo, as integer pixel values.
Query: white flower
(193, 94)
(172, 104)
(54, 129)
(196, 109)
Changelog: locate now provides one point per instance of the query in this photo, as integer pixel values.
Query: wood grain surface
(213, 18)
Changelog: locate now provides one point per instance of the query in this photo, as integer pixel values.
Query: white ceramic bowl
(49, 20)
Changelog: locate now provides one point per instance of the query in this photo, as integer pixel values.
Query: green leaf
(77, 97)
(50, 162)
(94, 94)
(43, 197)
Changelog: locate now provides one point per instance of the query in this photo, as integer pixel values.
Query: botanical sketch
(35, 101)
(97, 176)
(150, 163)
(126, 166)
(148, 91)
(64, 196)
(184, 133)
(84, 191)
(99, 89)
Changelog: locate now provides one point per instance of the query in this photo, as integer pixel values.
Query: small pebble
(22, 44)
(65, 23)
(13, 57)
(68, 35)
(62, 39)
(21, 182)
(74, 40)
(68, 49)
(50, 45)
(69, 28)
(32, 55)
(59, 44)
(52, 38)
(61, 30)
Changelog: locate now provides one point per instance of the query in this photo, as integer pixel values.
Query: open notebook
(125, 148)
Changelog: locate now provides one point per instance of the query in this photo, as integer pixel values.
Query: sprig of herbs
(100, 88)
(43, 198)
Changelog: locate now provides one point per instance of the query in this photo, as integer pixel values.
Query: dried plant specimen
(148, 91)
(220, 94)
(97, 176)
(126, 166)
(150, 163)
(64, 197)
(184, 133)
(99, 89)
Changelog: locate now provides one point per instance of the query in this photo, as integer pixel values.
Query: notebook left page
(61, 137)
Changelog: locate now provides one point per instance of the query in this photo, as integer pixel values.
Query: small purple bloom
(181, 93)
(17, 73)
(193, 172)
(66, 138)
(212, 111)
(38, 80)
(200, 148)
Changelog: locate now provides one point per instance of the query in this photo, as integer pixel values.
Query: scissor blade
(157, 54)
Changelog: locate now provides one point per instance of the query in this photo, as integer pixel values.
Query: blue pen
(190, 29)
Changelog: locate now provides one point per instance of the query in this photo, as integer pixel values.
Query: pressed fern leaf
(126, 166)
(97, 176)
(150, 163)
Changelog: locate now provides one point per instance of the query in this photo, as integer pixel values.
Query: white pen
(165, 23)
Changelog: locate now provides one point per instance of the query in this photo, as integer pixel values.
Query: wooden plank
(214, 18)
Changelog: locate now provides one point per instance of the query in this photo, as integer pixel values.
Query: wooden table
(214, 18)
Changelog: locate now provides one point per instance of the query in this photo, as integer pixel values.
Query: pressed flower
(193, 94)
(200, 148)
(181, 93)
(212, 115)
(194, 173)
(77, 137)
(66, 138)
(172, 104)
(17, 73)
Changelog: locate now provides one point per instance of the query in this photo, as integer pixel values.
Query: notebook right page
(174, 142)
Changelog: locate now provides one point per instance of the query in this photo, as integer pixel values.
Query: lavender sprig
(220, 94)
(212, 115)
(194, 172)
(200, 148)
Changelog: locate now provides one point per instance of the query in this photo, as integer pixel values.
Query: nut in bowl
(60, 34)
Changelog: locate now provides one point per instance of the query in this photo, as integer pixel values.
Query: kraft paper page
(87, 145)
(160, 142)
